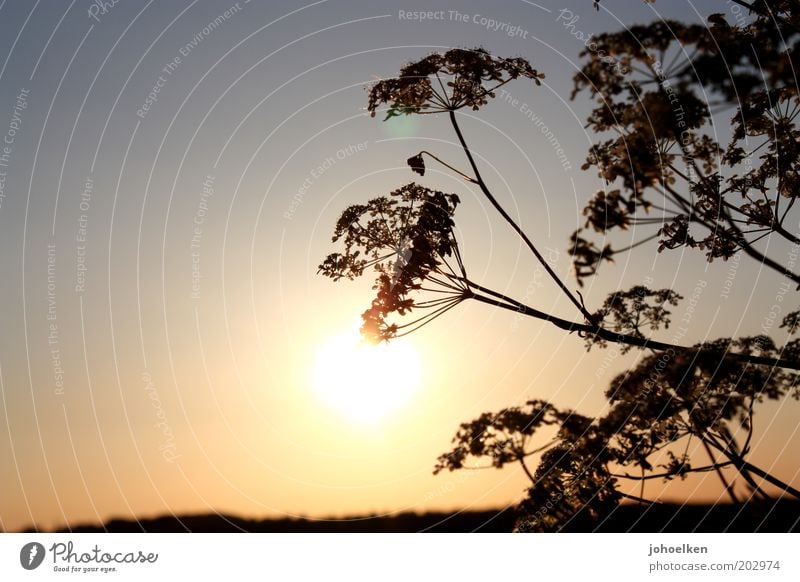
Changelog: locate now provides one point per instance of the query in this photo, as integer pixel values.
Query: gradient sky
(172, 399)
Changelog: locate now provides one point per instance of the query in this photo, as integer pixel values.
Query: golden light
(362, 381)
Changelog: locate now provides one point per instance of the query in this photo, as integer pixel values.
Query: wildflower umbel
(407, 237)
(447, 82)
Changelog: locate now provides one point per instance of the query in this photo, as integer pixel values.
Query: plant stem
(741, 464)
(456, 170)
(525, 468)
(620, 338)
(513, 224)
(728, 487)
(745, 468)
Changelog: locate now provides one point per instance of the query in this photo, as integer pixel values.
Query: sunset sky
(172, 182)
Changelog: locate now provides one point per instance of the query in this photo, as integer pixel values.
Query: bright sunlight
(362, 381)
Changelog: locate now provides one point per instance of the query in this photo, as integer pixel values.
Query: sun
(362, 381)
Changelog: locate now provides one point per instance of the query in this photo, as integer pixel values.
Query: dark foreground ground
(773, 516)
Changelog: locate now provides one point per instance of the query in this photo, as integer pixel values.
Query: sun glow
(362, 381)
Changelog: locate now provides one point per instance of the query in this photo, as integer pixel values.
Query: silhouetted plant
(651, 118)
(666, 403)
(674, 174)
(406, 238)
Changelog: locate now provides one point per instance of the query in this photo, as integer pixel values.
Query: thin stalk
(525, 468)
(750, 468)
(720, 474)
(705, 469)
(513, 224)
(607, 335)
(456, 170)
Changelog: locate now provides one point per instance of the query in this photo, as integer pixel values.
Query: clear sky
(175, 172)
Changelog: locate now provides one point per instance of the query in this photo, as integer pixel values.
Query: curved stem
(605, 334)
(513, 224)
(750, 468)
(704, 469)
(774, 265)
(745, 468)
(525, 468)
(720, 474)
(744, 473)
(786, 234)
(445, 164)
(748, 248)
(632, 246)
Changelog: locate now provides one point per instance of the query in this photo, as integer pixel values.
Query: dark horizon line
(774, 515)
